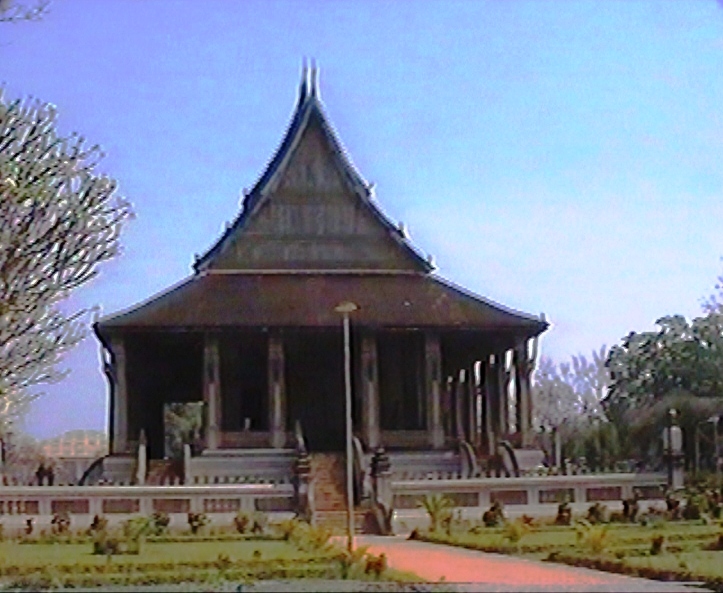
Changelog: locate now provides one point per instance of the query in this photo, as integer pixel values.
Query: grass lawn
(14, 553)
(626, 548)
(306, 555)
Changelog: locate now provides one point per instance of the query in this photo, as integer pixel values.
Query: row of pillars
(478, 397)
(499, 372)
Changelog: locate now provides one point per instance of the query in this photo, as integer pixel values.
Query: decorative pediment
(311, 210)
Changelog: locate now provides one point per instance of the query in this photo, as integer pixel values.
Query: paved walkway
(479, 571)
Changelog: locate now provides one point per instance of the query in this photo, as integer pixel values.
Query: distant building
(76, 443)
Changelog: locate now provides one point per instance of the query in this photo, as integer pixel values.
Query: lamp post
(345, 309)
(673, 446)
(714, 420)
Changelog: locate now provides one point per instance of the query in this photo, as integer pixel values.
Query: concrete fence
(219, 501)
(532, 495)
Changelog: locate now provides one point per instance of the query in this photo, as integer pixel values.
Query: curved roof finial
(304, 86)
(314, 71)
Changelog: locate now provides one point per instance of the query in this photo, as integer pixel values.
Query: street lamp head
(346, 307)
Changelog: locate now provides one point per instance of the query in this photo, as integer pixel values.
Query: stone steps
(335, 521)
(162, 472)
(327, 473)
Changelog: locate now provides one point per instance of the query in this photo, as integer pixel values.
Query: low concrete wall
(536, 496)
(118, 503)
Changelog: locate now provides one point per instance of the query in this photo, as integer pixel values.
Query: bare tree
(714, 303)
(570, 392)
(14, 12)
(59, 219)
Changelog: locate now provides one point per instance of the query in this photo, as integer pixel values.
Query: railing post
(303, 486)
(186, 463)
(142, 459)
(382, 490)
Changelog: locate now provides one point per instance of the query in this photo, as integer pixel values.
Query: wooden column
(505, 375)
(472, 419)
(120, 396)
(370, 392)
(524, 394)
(277, 393)
(459, 390)
(491, 403)
(433, 380)
(212, 390)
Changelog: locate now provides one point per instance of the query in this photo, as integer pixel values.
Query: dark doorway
(244, 382)
(161, 369)
(401, 381)
(315, 388)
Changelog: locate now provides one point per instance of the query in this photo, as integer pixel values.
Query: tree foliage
(649, 422)
(680, 356)
(59, 219)
(714, 303)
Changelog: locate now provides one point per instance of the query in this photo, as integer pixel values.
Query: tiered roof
(309, 235)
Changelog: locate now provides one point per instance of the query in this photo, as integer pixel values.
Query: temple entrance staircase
(328, 475)
(164, 472)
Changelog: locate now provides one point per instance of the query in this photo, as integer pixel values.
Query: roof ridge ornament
(314, 88)
(304, 85)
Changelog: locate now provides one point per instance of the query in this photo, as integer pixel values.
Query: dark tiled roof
(308, 300)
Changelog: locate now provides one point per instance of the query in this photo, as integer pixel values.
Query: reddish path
(496, 572)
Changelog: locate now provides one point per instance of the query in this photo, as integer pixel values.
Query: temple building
(253, 334)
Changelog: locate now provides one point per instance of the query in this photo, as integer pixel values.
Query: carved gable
(311, 218)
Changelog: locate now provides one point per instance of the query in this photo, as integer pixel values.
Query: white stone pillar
(433, 376)
(277, 393)
(370, 392)
(212, 390)
(490, 374)
(120, 399)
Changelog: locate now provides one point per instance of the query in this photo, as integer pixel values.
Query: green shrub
(100, 523)
(438, 508)
(60, 524)
(673, 507)
(695, 505)
(656, 544)
(160, 522)
(111, 543)
(564, 514)
(137, 528)
(717, 545)
(514, 531)
(630, 509)
(376, 565)
(494, 516)
(593, 537)
(251, 522)
(304, 536)
(596, 513)
(223, 562)
(196, 521)
(352, 565)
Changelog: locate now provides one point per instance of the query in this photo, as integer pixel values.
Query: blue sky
(562, 157)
